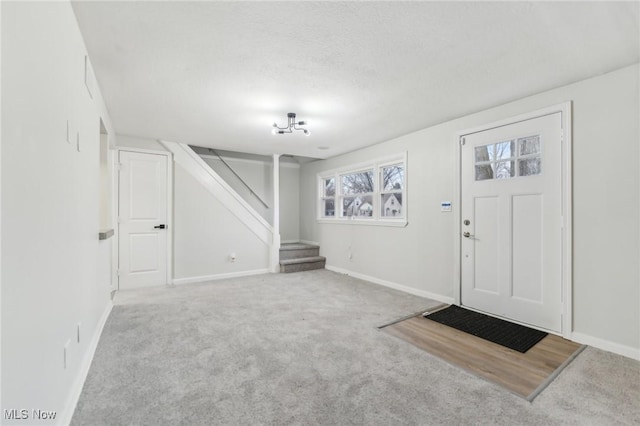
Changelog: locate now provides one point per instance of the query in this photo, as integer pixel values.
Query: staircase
(298, 257)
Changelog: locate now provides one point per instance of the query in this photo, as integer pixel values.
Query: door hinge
(462, 141)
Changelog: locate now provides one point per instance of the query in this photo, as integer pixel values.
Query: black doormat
(505, 333)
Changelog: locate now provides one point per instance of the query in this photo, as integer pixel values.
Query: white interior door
(142, 218)
(511, 211)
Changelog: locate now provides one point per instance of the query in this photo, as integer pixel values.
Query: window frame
(324, 197)
(382, 191)
(341, 195)
(376, 219)
(515, 159)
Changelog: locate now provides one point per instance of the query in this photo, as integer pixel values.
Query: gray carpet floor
(304, 349)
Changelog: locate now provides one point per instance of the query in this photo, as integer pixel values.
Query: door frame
(169, 248)
(565, 109)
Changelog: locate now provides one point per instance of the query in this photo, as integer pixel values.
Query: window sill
(398, 223)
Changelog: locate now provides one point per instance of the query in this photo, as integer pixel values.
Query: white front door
(511, 212)
(142, 218)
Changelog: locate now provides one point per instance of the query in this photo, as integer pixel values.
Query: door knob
(161, 226)
(467, 235)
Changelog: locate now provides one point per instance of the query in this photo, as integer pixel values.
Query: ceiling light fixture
(291, 126)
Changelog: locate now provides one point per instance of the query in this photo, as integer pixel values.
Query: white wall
(206, 233)
(55, 272)
(258, 175)
(139, 143)
(606, 203)
(289, 202)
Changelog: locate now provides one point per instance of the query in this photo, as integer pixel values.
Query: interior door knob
(161, 226)
(467, 235)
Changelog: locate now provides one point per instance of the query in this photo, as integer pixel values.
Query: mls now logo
(23, 414)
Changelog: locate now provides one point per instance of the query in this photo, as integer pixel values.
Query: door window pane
(484, 172)
(529, 166)
(497, 161)
(483, 153)
(504, 170)
(504, 150)
(529, 145)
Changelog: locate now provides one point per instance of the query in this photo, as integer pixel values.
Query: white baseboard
(214, 277)
(584, 339)
(313, 243)
(78, 383)
(606, 345)
(395, 286)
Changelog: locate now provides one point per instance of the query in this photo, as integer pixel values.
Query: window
(498, 161)
(392, 182)
(357, 194)
(372, 194)
(328, 198)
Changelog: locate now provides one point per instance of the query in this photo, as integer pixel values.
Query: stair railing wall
(219, 188)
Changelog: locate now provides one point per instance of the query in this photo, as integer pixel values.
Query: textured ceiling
(218, 74)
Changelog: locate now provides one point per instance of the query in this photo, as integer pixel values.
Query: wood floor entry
(525, 374)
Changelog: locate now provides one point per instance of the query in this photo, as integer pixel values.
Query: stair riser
(298, 254)
(299, 267)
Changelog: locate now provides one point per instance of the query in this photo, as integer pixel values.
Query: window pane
(357, 183)
(530, 166)
(329, 187)
(329, 208)
(504, 150)
(391, 205)
(393, 177)
(529, 145)
(504, 169)
(483, 153)
(484, 172)
(357, 206)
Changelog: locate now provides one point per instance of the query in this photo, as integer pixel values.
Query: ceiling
(218, 74)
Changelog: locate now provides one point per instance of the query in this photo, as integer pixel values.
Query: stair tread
(303, 260)
(297, 246)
